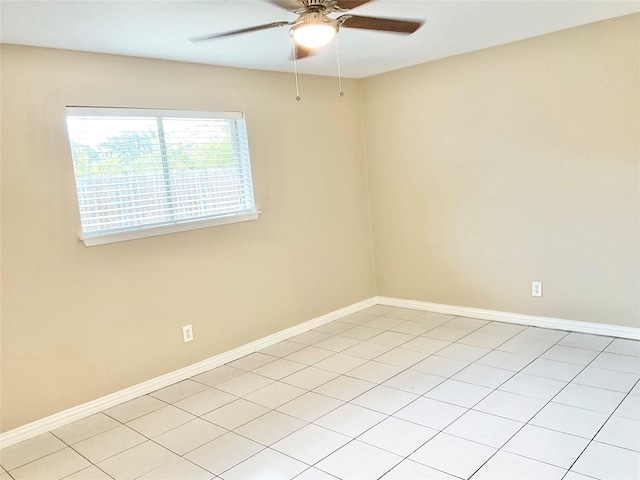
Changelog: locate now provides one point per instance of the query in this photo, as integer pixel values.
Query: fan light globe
(313, 35)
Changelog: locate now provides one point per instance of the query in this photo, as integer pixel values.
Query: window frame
(144, 231)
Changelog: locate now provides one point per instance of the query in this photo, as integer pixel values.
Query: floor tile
(309, 378)
(367, 350)
(54, 466)
(443, 367)
(189, 436)
(584, 340)
(85, 428)
(135, 408)
(275, 394)
(510, 405)
(314, 474)
(434, 319)
(543, 367)
(311, 444)
(430, 413)
(607, 462)
(383, 323)
(384, 399)
(224, 452)
(458, 393)
(270, 427)
(179, 469)
(282, 349)
(178, 391)
(426, 345)
(205, 401)
(465, 353)
(621, 432)
(89, 473)
(219, 375)
(453, 455)
(505, 330)
(607, 379)
(619, 363)
(251, 361)
(333, 328)
(265, 465)
(525, 346)
(483, 375)
(508, 466)
(412, 328)
(310, 406)
(447, 333)
(397, 436)
(309, 355)
(279, 369)
(629, 408)
(404, 313)
(413, 381)
(483, 339)
(361, 333)
(375, 372)
(571, 475)
(568, 419)
(591, 398)
(359, 460)
(309, 338)
(624, 346)
(109, 443)
(137, 461)
(155, 423)
(410, 470)
(30, 450)
(548, 446)
(533, 386)
(391, 339)
(578, 356)
(337, 344)
(350, 420)
(401, 357)
(483, 428)
(357, 318)
(235, 414)
(340, 363)
(506, 360)
(344, 388)
(377, 310)
(244, 384)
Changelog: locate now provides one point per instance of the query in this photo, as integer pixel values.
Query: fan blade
(349, 4)
(291, 5)
(382, 24)
(237, 32)
(302, 52)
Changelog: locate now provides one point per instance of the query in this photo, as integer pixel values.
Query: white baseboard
(79, 412)
(65, 417)
(545, 322)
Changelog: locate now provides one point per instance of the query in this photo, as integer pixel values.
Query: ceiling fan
(314, 27)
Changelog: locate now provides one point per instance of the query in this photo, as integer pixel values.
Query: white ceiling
(161, 29)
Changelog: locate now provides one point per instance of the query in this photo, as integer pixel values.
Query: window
(146, 172)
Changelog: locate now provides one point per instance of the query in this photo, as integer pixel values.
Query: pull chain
(295, 68)
(340, 93)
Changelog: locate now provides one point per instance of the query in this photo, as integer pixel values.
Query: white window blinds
(138, 169)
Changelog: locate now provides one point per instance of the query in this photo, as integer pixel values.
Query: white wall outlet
(536, 289)
(187, 333)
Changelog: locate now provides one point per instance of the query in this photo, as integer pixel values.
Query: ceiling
(161, 29)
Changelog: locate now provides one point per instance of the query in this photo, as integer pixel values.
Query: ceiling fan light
(313, 35)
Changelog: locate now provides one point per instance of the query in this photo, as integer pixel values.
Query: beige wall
(79, 323)
(493, 169)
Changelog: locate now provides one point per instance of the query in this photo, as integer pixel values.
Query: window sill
(102, 239)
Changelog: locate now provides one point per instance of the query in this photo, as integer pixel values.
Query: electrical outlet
(187, 333)
(536, 289)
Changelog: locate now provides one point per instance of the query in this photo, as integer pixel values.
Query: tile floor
(383, 393)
